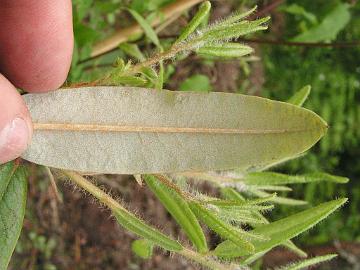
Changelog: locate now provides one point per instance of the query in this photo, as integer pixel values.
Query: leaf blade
(122, 126)
(12, 208)
(180, 210)
(283, 229)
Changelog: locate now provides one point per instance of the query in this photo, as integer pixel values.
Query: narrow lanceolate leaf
(237, 17)
(140, 228)
(196, 21)
(118, 130)
(180, 210)
(277, 199)
(148, 30)
(231, 194)
(230, 50)
(300, 97)
(270, 178)
(307, 263)
(281, 230)
(125, 218)
(246, 205)
(13, 188)
(237, 236)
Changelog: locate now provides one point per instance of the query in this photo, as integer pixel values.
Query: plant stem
(107, 200)
(123, 35)
(93, 190)
(155, 59)
(207, 261)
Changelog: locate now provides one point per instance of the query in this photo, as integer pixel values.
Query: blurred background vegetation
(307, 43)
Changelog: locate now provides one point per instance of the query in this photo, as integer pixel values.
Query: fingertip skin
(36, 43)
(15, 122)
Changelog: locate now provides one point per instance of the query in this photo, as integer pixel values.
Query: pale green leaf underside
(13, 188)
(282, 230)
(135, 130)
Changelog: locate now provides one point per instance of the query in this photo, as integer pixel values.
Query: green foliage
(178, 207)
(300, 97)
(142, 248)
(138, 227)
(239, 218)
(237, 236)
(203, 12)
(329, 28)
(280, 231)
(150, 33)
(13, 193)
(228, 50)
(307, 263)
(197, 82)
(334, 76)
(270, 178)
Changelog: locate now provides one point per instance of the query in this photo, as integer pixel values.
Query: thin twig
(123, 35)
(53, 184)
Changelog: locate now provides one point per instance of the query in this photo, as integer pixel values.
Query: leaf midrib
(159, 129)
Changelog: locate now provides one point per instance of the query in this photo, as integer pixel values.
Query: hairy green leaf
(243, 205)
(300, 96)
(237, 236)
(118, 130)
(281, 230)
(277, 199)
(231, 194)
(232, 31)
(13, 189)
(237, 16)
(307, 263)
(180, 210)
(230, 50)
(125, 218)
(202, 13)
(270, 178)
(140, 228)
(129, 80)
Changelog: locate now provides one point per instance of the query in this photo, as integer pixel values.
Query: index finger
(36, 42)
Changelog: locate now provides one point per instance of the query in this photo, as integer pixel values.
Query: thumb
(15, 122)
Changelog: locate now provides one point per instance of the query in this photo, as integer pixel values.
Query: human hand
(36, 44)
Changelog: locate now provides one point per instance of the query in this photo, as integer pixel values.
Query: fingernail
(14, 139)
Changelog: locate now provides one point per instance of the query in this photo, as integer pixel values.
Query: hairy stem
(155, 59)
(207, 261)
(107, 200)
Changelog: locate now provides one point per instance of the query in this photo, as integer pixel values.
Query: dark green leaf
(13, 189)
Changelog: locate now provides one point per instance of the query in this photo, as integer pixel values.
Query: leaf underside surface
(128, 130)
